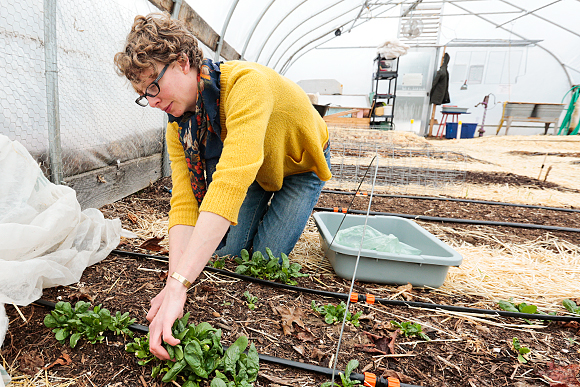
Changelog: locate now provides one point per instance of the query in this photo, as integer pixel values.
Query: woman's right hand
(155, 305)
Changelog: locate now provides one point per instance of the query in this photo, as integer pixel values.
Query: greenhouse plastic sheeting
(45, 239)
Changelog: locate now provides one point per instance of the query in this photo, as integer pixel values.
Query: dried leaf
(305, 334)
(299, 349)
(81, 295)
(64, 359)
(132, 218)
(366, 368)
(290, 315)
(571, 324)
(385, 345)
(405, 291)
(563, 376)
(152, 244)
(317, 354)
(399, 375)
(31, 362)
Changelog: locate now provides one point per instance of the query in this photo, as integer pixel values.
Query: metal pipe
(254, 27)
(319, 37)
(543, 18)
(302, 22)
(277, 25)
(287, 65)
(52, 107)
(365, 5)
(527, 13)
(518, 35)
(176, 9)
(218, 51)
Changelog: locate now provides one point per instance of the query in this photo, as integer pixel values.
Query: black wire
(267, 358)
(460, 201)
(362, 298)
(457, 220)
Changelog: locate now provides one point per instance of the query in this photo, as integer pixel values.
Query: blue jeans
(275, 219)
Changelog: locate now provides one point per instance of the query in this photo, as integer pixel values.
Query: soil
(462, 351)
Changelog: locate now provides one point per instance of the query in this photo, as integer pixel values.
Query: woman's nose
(153, 101)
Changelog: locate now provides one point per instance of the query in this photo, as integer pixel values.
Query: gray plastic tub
(428, 269)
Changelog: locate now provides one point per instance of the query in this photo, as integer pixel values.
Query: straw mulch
(543, 272)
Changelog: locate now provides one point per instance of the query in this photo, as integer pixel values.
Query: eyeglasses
(152, 90)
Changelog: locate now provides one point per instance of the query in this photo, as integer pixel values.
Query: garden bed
(464, 350)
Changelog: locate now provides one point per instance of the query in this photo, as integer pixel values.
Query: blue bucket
(467, 130)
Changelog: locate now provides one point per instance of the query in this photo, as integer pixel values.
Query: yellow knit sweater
(270, 130)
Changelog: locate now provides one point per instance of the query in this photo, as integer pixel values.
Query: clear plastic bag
(373, 240)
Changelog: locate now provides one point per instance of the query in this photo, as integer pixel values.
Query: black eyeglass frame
(144, 96)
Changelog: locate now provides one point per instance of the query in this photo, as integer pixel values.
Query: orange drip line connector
(361, 194)
(370, 379)
(393, 382)
(370, 298)
(341, 209)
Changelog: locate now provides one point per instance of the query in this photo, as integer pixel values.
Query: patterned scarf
(200, 131)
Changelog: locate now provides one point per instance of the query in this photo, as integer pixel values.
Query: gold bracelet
(181, 279)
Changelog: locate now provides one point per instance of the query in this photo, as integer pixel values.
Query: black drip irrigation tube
(452, 220)
(458, 200)
(380, 382)
(363, 298)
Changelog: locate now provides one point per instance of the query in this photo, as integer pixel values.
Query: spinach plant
(411, 329)
(259, 267)
(345, 377)
(251, 300)
(510, 306)
(335, 314)
(571, 306)
(520, 350)
(200, 356)
(218, 263)
(82, 322)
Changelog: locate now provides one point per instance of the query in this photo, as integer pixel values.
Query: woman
(249, 156)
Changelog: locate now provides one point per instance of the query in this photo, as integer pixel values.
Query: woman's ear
(183, 62)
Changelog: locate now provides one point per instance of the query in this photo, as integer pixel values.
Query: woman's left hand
(171, 309)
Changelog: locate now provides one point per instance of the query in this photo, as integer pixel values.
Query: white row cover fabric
(45, 239)
(392, 49)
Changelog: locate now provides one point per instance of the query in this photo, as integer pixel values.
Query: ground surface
(463, 351)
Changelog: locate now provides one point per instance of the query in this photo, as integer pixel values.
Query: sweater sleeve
(184, 208)
(247, 105)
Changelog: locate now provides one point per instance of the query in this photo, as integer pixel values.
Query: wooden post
(432, 120)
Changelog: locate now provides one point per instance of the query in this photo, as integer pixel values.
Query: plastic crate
(467, 130)
(428, 269)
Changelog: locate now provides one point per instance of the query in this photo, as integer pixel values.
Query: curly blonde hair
(156, 38)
